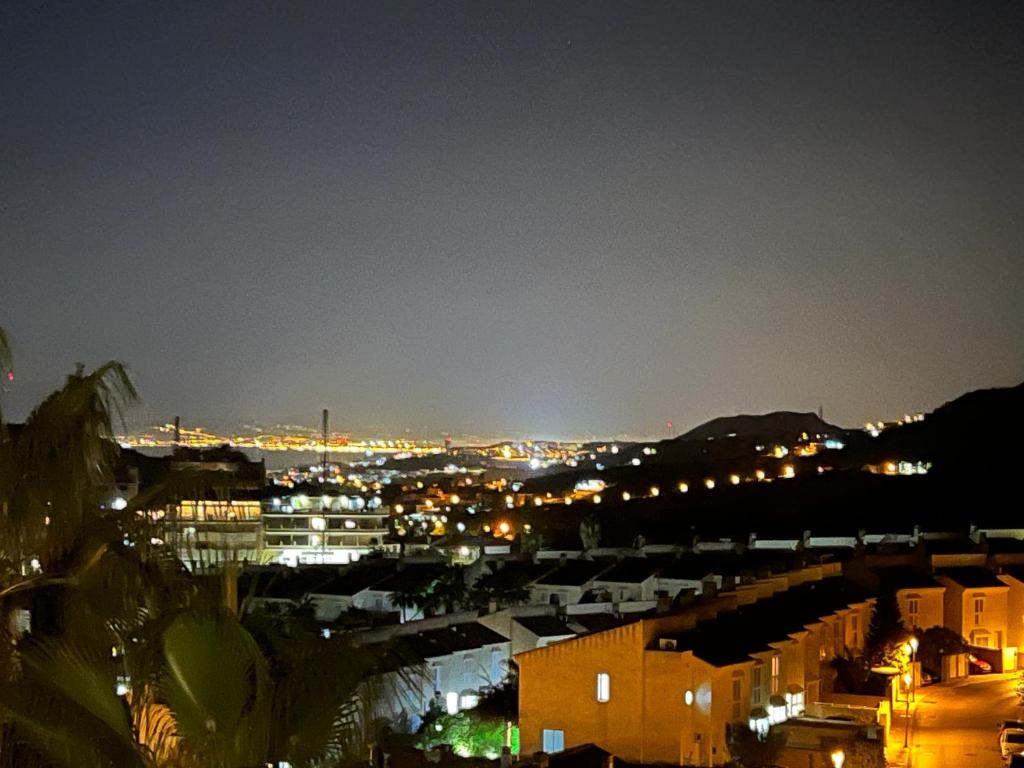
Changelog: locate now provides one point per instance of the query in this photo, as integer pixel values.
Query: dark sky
(555, 218)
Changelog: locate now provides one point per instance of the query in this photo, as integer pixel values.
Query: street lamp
(914, 643)
(838, 758)
(908, 678)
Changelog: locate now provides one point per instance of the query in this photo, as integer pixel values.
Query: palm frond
(216, 684)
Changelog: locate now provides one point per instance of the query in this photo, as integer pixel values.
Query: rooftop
(545, 626)
(574, 573)
(733, 636)
(632, 570)
(971, 577)
(451, 639)
(905, 577)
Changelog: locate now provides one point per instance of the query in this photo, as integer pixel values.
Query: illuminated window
(451, 701)
(775, 674)
(979, 609)
(552, 740)
(604, 686)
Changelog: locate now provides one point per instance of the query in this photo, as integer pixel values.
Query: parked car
(977, 666)
(1011, 742)
(1015, 724)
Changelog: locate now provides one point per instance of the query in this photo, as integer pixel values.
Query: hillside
(781, 426)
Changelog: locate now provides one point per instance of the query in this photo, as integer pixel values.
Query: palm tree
(131, 660)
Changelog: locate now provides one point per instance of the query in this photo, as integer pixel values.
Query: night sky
(548, 218)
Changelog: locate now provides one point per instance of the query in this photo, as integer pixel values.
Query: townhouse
(668, 688)
(975, 604)
(920, 596)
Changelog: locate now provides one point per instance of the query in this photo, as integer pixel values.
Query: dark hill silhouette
(980, 432)
(784, 426)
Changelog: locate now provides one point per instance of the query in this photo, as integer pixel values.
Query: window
(467, 672)
(737, 690)
(775, 674)
(552, 740)
(822, 652)
(496, 659)
(756, 691)
(604, 686)
(979, 609)
(854, 629)
(913, 609)
(437, 677)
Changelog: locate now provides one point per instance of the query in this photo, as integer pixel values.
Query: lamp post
(913, 668)
(908, 678)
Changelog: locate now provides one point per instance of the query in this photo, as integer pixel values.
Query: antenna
(323, 464)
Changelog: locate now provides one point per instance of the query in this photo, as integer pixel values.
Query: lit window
(452, 702)
(604, 686)
(979, 609)
(552, 740)
(775, 674)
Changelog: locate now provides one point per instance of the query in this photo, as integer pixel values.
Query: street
(955, 725)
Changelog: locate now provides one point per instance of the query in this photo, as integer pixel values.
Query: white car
(1011, 742)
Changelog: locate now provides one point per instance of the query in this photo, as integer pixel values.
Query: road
(955, 725)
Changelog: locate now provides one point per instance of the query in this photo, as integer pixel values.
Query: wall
(931, 606)
(1014, 610)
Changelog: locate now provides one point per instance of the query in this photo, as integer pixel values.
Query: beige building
(669, 688)
(921, 598)
(975, 605)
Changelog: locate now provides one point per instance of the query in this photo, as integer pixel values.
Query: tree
(590, 531)
(936, 642)
(886, 632)
(501, 589)
(131, 660)
(429, 590)
(751, 751)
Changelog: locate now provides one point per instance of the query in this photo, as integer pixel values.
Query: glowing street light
(684, 487)
(625, 496)
(838, 758)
